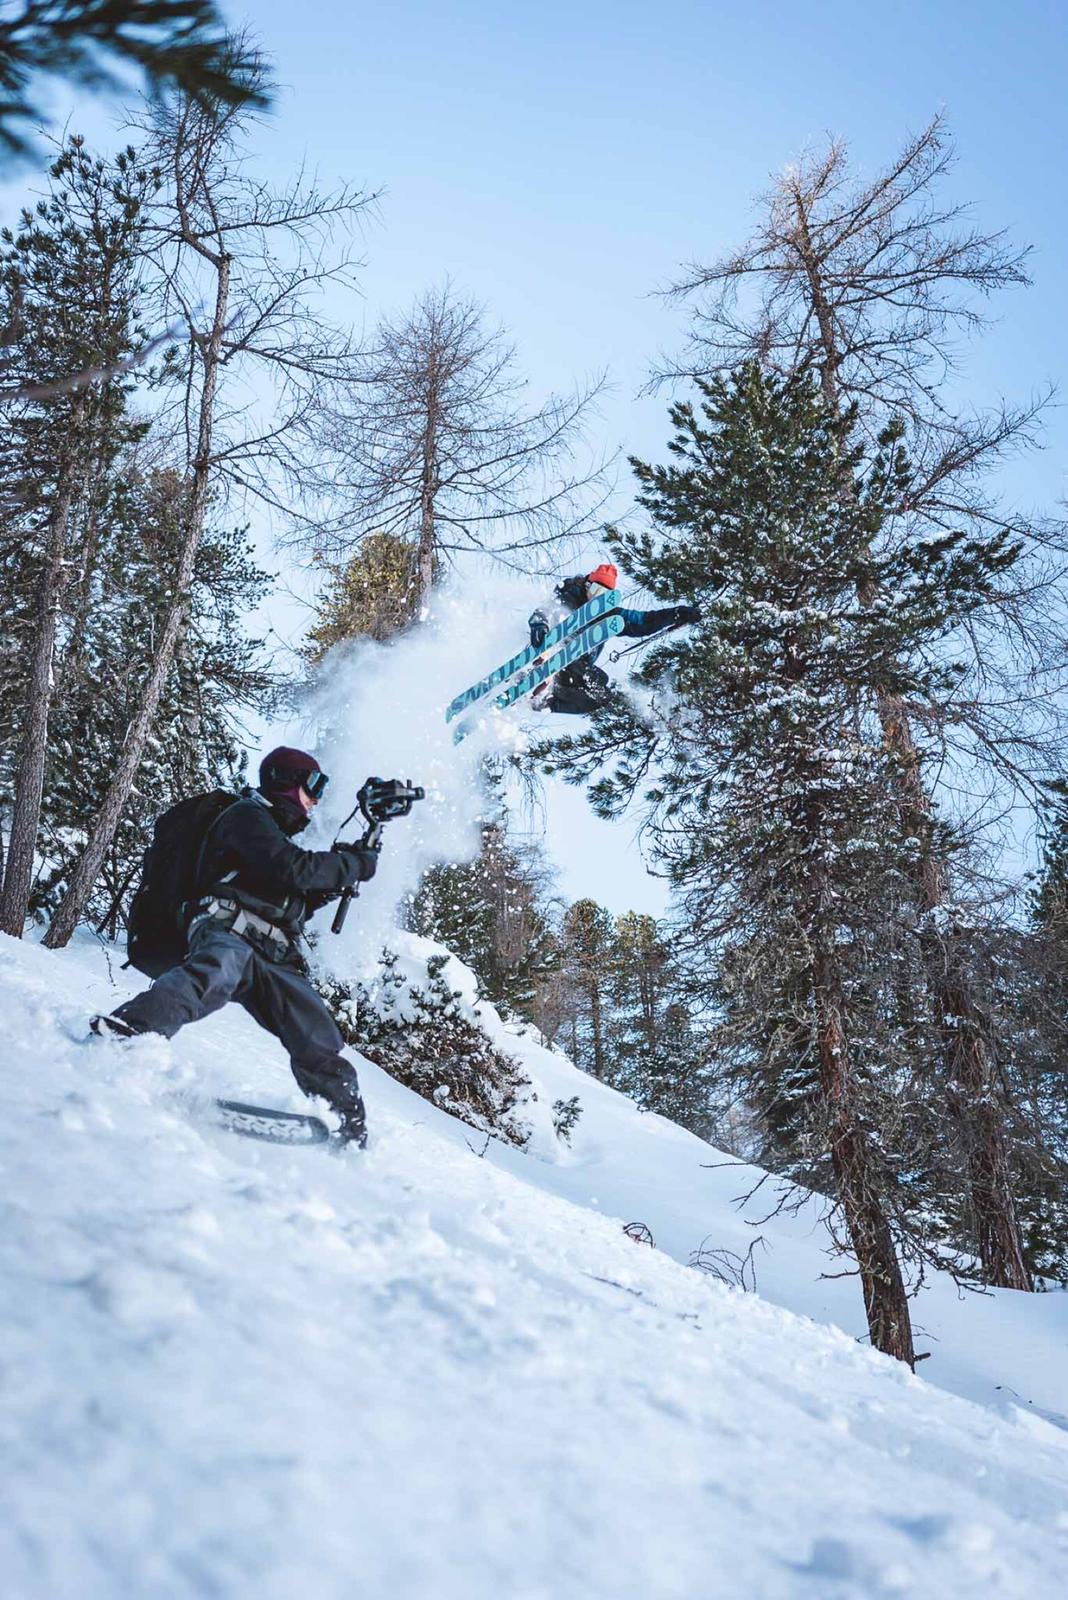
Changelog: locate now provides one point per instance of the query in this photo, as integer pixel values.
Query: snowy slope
(1004, 1349)
(231, 1370)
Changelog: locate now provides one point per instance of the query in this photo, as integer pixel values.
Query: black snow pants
(579, 689)
(223, 966)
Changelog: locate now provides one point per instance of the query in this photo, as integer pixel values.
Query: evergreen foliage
(217, 676)
(175, 43)
(494, 912)
(1028, 981)
(566, 1114)
(70, 285)
(424, 1035)
(774, 813)
(90, 545)
(373, 596)
(617, 1000)
(589, 941)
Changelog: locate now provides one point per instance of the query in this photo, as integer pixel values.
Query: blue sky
(559, 162)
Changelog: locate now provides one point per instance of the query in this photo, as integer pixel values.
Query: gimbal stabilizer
(380, 801)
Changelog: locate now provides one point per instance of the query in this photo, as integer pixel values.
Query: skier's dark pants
(579, 688)
(223, 966)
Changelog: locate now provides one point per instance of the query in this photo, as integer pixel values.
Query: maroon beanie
(282, 770)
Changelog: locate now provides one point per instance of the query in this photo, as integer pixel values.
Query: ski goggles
(310, 779)
(313, 783)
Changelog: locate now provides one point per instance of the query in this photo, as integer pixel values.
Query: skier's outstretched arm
(643, 624)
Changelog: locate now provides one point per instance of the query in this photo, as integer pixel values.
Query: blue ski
(523, 658)
(574, 646)
(580, 644)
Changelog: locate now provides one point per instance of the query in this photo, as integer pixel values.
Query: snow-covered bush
(410, 1020)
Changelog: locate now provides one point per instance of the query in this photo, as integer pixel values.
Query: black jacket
(273, 877)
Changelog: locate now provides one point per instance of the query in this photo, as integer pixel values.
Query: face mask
(598, 588)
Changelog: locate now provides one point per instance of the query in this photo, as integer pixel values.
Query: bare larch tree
(432, 443)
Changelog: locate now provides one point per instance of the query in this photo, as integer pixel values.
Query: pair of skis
(590, 627)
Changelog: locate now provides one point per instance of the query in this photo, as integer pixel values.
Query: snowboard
(276, 1127)
(525, 658)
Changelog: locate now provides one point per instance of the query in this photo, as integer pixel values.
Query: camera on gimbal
(382, 799)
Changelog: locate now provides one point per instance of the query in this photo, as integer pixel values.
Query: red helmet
(605, 574)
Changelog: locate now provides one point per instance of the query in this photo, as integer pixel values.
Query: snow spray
(379, 708)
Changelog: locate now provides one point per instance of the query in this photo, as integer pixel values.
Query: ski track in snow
(235, 1370)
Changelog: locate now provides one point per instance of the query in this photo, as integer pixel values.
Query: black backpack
(155, 926)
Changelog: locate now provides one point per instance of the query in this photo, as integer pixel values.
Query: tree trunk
(428, 494)
(885, 1300)
(967, 1040)
(33, 749)
(107, 819)
(975, 1099)
(597, 1029)
(81, 599)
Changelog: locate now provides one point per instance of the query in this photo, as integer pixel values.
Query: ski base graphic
(276, 1127)
(573, 649)
(524, 658)
(590, 638)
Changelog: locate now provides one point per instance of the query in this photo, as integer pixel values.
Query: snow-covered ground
(235, 1370)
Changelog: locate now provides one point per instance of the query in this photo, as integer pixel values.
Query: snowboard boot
(353, 1129)
(111, 1027)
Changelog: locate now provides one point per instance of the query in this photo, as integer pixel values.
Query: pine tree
(1027, 980)
(589, 941)
(492, 913)
(775, 815)
(371, 597)
(659, 1057)
(866, 279)
(241, 269)
(70, 282)
(215, 677)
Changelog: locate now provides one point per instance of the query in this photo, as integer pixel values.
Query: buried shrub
(426, 1035)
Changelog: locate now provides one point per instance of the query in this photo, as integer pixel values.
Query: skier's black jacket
(274, 878)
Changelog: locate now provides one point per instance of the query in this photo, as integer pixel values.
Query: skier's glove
(684, 614)
(538, 632)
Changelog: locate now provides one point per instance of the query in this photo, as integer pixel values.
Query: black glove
(686, 614)
(363, 856)
(538, 632)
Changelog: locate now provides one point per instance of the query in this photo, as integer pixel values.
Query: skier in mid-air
(582, 686)
(254, 890)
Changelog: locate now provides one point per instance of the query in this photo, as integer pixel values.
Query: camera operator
(254, 890)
